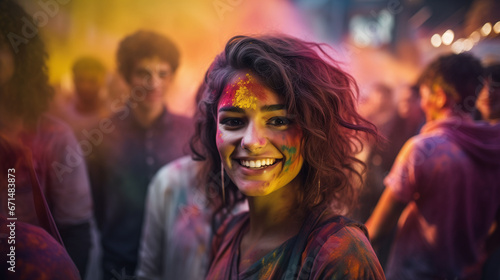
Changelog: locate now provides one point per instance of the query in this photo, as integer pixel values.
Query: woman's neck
(146, 116)
(277, 213)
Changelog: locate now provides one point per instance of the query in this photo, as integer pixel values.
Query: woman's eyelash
(274, 121)
(231, 121)
(279, 121)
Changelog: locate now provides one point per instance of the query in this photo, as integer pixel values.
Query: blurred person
(277, 121)
(177, 223)
(404, 123)
(488, 101)
(379, 107)
(488, 105)
(24, 98)
(31, 252)
(408, 108)
(443, 187)
(88, 105)
(38, 254)
(177, 230)
(135, 143)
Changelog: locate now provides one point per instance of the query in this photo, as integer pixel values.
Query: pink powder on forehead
(244, 93)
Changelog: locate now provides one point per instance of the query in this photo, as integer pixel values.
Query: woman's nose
(254, 139)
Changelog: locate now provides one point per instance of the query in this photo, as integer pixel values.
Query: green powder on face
(291, 151)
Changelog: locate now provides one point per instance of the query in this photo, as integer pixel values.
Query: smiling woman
(256, 140)
(278, 121)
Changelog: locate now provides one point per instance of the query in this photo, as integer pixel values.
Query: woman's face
(258, 142)
(6, 63)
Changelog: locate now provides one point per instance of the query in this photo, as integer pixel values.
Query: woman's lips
(257, 166)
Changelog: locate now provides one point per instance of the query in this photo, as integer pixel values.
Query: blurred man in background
(134, 143)
(443, 187)
(88, 105)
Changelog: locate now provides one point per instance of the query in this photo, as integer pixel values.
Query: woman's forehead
(245, 91)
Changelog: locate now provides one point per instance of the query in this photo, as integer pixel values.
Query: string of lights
(465, 44)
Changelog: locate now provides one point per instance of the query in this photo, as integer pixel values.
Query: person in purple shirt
(134, 143)
(444, 186)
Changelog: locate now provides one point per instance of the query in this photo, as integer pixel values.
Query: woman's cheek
(291, 149)
(223, 146)
(219, 138)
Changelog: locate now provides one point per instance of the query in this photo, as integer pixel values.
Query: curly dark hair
(145, 44)
(493, 72)
(460, 77)
(317, 94)
(28, 93)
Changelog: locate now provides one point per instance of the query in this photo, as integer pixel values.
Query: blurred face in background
(488, 101)
(88, 85)
(149, 82)
(408, 105)
(428, 103)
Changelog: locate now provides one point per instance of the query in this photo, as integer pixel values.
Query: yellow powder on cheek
(243, 97)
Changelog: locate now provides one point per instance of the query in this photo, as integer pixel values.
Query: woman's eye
(279, 121)
(231, 122)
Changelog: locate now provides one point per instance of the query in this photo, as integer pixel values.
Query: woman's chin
(254, 188)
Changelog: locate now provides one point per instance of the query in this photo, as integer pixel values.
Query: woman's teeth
(258, 163)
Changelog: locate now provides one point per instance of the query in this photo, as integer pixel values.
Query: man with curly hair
(142, 137)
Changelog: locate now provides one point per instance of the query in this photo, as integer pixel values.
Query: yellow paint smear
(244, 98)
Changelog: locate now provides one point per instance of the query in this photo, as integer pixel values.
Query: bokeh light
(458, 46)
(475, 36)
(436, 40)
(467, 44)
(496, 27)
(447, 37)
(486, 29)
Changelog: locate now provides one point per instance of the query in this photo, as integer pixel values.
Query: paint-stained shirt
(176, 231)
(334, 249)
(123, 162)
(177, 227)
(449, 175)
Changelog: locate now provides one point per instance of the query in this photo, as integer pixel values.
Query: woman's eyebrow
(231, 109)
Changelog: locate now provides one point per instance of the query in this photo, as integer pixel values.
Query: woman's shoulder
(338, 234)
(340, 247)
